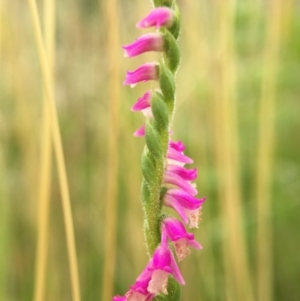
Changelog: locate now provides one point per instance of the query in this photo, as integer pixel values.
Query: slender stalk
(4, 229)
(4, 208)
(45, 164)
(266, 139)
(113, 133)
(50, 102)
(237, 274)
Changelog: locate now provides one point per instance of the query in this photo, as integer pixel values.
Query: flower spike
(166, 182)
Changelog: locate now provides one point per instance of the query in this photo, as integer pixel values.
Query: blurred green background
(238, 90)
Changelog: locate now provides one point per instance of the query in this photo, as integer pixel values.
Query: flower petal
(160, 16)
(173, 179)
(178, 156)
(140, 132)
(145, 72)
(186, 174)
(145, 43)
(143, 102)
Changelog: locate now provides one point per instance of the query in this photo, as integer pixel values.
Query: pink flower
(143, 102)
(160, 16)
(138, 291)
(186, 174)
(186, 205)
(174, 180)
(161, 266)
(175, 153)
(176, 232)
(143, 105)
(179, 146)
(144, 73)
(145, 43)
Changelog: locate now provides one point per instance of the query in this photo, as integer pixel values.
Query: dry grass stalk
(50, 103)
(45, 163)
(113, 49)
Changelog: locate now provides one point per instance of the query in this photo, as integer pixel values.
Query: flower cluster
(176, 189)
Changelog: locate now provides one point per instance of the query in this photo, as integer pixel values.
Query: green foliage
(172, 54)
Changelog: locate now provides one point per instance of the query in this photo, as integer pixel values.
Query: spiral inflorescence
(166, 182)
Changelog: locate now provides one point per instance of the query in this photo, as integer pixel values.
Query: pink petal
(140, 132)
(176, 272)
(143, 102)
(179, 146)
(161, 16)
(173, 179)
(145, 43)
(178, 156)
(145, 72)
(163, 260)
(176, 232)
(185, 199)
(170, 201)
(186, 174)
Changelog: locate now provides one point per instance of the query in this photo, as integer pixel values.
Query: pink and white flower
(161, 266)
(186, 205)
(181, 239)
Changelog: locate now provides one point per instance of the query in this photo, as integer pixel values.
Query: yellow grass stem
(237, 274)
(4, 208)
(58, 149)
(4, 218)
(266, 139)
(113, 82)
(45, 163)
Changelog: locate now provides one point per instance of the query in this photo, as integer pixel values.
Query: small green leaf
(175, 28)
(172, 54)
(160, 111)
(153, 141)
(148, 166)
(167, 84)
